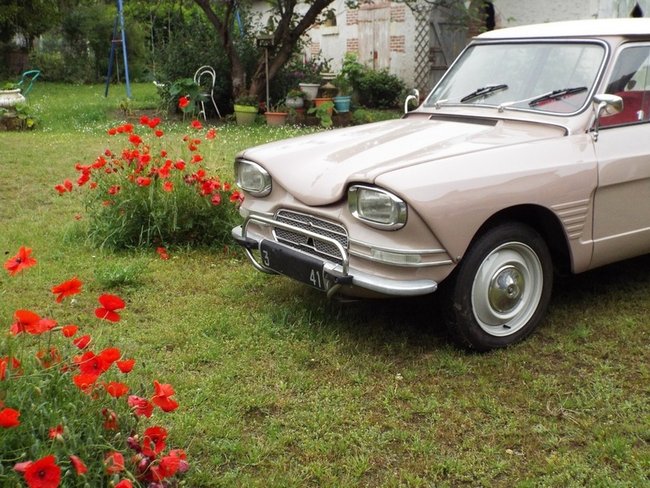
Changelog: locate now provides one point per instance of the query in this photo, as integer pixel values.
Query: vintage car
(531, 155)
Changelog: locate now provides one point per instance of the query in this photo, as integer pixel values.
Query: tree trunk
(285, 38)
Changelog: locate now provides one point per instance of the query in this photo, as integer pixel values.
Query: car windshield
(541, 76)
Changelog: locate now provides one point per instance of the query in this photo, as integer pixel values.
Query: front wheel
(501, 288)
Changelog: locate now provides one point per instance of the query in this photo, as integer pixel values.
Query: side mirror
(605, 105)
(414, 95)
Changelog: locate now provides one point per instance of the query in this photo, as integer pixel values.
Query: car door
(622, 199)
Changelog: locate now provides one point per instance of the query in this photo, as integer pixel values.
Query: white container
(11, 98)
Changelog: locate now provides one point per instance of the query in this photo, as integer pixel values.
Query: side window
(631, 81)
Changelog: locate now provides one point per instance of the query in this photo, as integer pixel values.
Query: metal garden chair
(206, 72)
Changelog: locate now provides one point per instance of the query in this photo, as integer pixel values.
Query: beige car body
(586, 189)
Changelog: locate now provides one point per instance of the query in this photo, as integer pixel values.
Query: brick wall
(398, 44)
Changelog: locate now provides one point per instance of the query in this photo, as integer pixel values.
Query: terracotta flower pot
(276, 118)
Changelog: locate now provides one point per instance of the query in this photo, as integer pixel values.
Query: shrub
(143, 195)
(67, 415)
(380, 89)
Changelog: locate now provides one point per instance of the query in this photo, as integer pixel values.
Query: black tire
(500, 290)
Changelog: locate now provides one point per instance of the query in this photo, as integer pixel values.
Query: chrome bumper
(338, 274)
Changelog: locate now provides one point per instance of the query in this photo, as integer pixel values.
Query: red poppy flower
(162, 252)
(179, 165)
(143, 181)
(56, 432)
(153, 441)
(67, 288)
(153, 123)
(9, 418)
(135, 139)
(110, 355)
(20, 261)
(116, 389)
(144, 120)
(162, 394)
(236, 197)
(141, 406)
(126, 365)
(196, 124)
(69, 330)
(66, 186)
(25, 320)
(168, 186)
(114, 190)
(44, 325)
(124, 484)
(7, 362)
(91, 363)
(112, 131)
(197, 158)
(114, 462)
(43, 473)
(211, 134)
(216, 199)
(78, 464)
(128, 128)
(110, 303)
(82, 342)
(85, 381)
(183, 102)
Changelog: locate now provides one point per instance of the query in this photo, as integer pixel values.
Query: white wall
(519, 12)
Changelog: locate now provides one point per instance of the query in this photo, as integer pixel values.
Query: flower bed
(68, 416)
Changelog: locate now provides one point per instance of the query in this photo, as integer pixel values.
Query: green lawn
(280, 388)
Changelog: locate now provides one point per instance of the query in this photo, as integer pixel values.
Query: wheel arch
(544, 221)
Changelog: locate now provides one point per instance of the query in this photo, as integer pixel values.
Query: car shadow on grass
(417, 323)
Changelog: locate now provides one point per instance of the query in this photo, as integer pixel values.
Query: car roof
(624, 27)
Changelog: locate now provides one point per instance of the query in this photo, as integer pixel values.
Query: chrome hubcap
(507, 289)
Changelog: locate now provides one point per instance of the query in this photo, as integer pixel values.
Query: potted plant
(295, 98)
(343, 99)
(277, 114)
(246, 109)
(10, 96)
(323, 111)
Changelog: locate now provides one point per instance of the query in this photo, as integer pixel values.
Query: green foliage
(376, 89)
(323, 113)
(71, 399)
(150, 195)
(380, 89)
(183, 87)
(117, 275)
(192, 43)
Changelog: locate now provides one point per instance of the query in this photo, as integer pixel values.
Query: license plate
(294, 264)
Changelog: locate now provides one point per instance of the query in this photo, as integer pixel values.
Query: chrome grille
(315, 247)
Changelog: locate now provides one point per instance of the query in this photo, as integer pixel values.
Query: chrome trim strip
(402, 265)
(397, 250)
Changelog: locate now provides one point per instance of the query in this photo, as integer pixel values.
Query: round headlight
(377, 207)
(252, 178)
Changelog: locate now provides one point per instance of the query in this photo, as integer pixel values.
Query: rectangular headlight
(377, 207)
(252, 178)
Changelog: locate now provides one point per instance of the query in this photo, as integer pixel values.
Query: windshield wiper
(482, 92)
(556, 95)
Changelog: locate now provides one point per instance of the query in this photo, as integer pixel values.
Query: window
(631, 81)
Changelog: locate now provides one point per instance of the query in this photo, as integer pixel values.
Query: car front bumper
(330, 277)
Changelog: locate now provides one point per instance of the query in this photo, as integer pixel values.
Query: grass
(280, 388)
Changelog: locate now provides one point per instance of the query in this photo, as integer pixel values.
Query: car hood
(317, 169)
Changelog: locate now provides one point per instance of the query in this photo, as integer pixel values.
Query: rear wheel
(501, 288)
